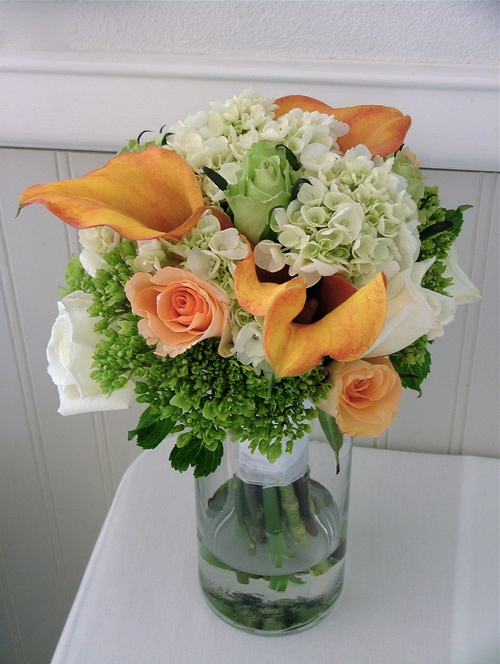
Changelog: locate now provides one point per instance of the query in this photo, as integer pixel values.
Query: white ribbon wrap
(254, 468)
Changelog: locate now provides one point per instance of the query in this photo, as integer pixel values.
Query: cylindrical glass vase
(272, 537)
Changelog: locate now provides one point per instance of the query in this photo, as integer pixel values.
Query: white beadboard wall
(58, 475)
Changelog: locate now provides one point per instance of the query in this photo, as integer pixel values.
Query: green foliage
(198, 394)
(203, 460)
(210, 397)
(438, 231)
(76, 278)
(413, 364)
(435, 280)
(332, 433)
(136, 146)
(151, 430)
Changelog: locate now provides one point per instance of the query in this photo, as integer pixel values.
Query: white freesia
(96, 242)
(69, 354)
(150, 256)
(412, 311)
(462, 289)
(91, 262)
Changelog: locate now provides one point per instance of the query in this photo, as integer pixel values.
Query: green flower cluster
(206, 397)
(413, 363)
(198, 394)
(438, 230)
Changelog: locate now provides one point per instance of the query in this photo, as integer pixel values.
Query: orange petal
(253, 295)
(141, 195)
(333, 291)
(288, 103)
(344, 334)
(381, 128)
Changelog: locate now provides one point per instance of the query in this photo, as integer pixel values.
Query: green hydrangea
(198, 394)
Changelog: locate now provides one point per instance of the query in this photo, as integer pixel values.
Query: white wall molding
(99, 101)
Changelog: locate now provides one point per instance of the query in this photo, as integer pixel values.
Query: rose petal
(365, 395)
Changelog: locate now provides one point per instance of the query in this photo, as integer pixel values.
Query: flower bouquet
(256, 266)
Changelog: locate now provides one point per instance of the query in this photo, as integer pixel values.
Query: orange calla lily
(142, 195)
(292, 348)
(381, 128)
(253, 295)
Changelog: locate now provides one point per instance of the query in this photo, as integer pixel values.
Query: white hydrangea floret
(317, 159)
(310, 268)
(293, 237)
(203, 263)
(248, 345)
(269, 256)
(229, 244)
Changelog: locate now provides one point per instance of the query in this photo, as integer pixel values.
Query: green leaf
(332, 433)
(216, 178)
(268, 233)
(151, 430)
(457, 217)
(290, 156)
(296, 186)
(272, 383)
(196, 454)
(147, 417)
(439, 227)
(412, 375)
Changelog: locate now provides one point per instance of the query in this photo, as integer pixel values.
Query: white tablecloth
(422, 573)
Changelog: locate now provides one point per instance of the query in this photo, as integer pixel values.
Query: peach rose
(365, 395)
(178, 310)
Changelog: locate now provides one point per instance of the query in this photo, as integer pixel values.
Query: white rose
(412, 311)
(462, 289)
(69, 355)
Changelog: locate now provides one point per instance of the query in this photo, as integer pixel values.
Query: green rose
(265, 181)
(405, 165)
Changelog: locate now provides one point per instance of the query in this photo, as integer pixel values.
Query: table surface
(422, 573)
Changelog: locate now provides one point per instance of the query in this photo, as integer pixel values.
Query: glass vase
(272, 537)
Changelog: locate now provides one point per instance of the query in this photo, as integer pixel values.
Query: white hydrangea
(353, 216)
(211, 253)
(299, 129)
(223, 134)
(219, 138)
(203, 263)
(269, 256)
